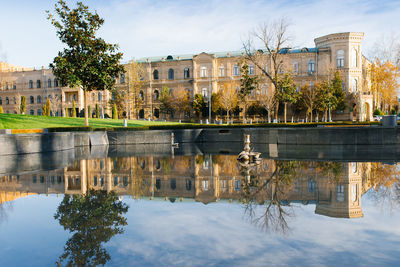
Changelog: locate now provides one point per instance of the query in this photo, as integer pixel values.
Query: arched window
(38, 99)
(7, 101)
(99, 96)
(49, 83)
(122, 78)
(6, 86)
(32, 112)
(156, 113)
(354, 86)
(311, 186)
(186, 73)
(221, 72)
(296, 67)
(173, 184)
(170, 74)
(235, 70)
(156, 94)
(55, 82)
(14, 86)
(340, 193)
(30, 84)
(141, 95)
(354, 192)
(155, 74)
(1, 101)
(31, 100)
(340, 58)
(204, 92)
(251, 69)
(203, 72)
(188, 185)
(354, 58)
(38, 84)
(311, 66)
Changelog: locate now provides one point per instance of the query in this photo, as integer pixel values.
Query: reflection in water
(93, 218)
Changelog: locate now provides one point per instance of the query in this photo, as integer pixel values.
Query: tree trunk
(227, 116)
(85, 108)
(276, 111)
(285, 112)
(311, 115)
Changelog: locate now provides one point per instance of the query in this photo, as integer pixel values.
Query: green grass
(14, 121)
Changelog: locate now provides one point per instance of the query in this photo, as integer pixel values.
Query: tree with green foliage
(165, 100)
(326, 100)
(115, 112)
(92, 219)
(73, 115)
(97, 110)
(87, 61)
(23, 105)
(286, 92)
(308, 99)
(248, 83)
(181, 100)
(199, 106)
(47, 107)
(336, 84)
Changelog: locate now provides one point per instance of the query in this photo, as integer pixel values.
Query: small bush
(393, 111)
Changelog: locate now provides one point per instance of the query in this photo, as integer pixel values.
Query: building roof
(225, 54)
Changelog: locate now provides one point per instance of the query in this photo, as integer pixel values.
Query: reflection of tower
(344, 200)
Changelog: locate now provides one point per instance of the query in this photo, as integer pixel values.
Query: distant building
(204, 74)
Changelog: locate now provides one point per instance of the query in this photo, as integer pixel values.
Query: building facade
(204, 74)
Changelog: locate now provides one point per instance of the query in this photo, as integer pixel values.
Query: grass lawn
(14, 121)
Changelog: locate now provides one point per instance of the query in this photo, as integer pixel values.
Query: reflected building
(335, 188)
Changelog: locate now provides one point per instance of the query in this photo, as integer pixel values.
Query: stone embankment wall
(49, 142)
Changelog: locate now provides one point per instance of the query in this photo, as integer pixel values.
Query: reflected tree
(93, 219)
(268, 193)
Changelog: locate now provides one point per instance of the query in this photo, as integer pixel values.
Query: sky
(161, 27)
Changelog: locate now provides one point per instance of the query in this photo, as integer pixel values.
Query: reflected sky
(194, 211)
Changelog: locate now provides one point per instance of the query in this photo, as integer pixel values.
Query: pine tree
(23, 105)
(286, 91)
(66, 112)
(48, 107)
(73, 109)
(247, 85)
(115, 112)
(1, 110)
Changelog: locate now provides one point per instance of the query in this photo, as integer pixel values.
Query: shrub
(393, 111)
(115, 112)
(377, 112)
(1, 110)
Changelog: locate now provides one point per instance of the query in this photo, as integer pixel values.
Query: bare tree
(269, 60)
(387, 49)
(55, 103)
(228, 98)
(267, 100)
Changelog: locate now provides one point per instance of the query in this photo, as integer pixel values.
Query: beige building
(204, 74)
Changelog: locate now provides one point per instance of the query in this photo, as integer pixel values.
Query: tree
(73, 115)
(247, 85)
(337, 91)
(308, 99)
(47, 107)
(93, 219)
(268, 101)
(198, 105)
(97, 110)
(326, 100)
(384, 84)
(228, 98)
(87, 61)
(286, 91)
(23, 105)
(66, 112)
(1, 110)
(115, 112)
(274, 38)
(136, 82)
(55, 103)
(165, 100)
(181, 100)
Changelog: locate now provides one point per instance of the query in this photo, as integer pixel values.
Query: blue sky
(151, 28)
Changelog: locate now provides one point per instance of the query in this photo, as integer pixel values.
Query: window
(14, 86)
(7, 101)
(155, 75)
(38, 84)
(203, 72)
(31, 112)
(264, 89)
(49, 83)
(354, 167)
(99, 96)
(221, 72)
(93, 97)
(237, 185)
(39, 112)
(116, 181)
(170, 74)
(204, 92)
(125, 181)
(6, 86)
(15, 100)
(173, 184)
(311, 186)
(122, 78)
(31, 100)
(95, 181)
(1, 101)
(340, 193)
(251, 69)
(266, 68)
(55, 82)
(311, 85)
(235, 70)
(186, 73)
(141, 95)
(158, 184)
(354, 57)
(188, 184)
(343, 86)
(311, 66)
(30, 84)
(156, 94)
(354, 192)
(340, 58)
(205, 185)
(75, 97)
(296, 67)
(354, 86)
